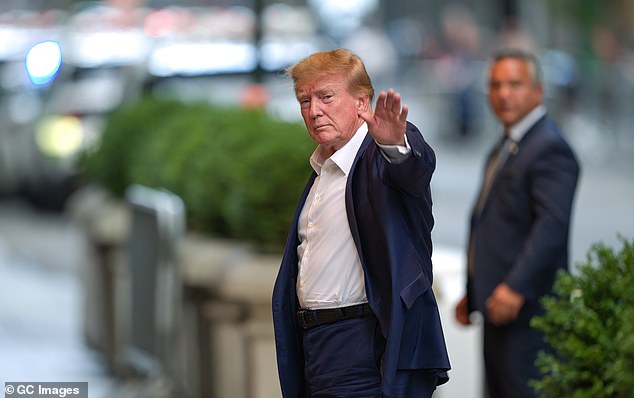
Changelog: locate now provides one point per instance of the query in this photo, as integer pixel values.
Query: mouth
(505, 106)
(504, 109)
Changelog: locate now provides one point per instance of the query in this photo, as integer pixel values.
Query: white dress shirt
(330, 272)
(518, 130)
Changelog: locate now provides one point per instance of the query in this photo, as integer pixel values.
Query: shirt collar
(344, 156)
(519, 129)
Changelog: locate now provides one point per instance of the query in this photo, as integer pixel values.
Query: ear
(539, 93)
(363, 102)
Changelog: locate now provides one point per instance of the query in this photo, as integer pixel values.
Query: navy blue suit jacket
(389, 213)
(521, 235)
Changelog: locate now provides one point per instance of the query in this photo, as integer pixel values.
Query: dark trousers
(343, 360)
(509, 358)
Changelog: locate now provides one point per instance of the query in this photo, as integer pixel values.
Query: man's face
(512, 90)
(329, 110)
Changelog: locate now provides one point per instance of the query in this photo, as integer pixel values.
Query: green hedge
(590, 325)
(240, 172)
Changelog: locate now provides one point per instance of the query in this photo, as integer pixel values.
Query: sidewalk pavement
(41, 331)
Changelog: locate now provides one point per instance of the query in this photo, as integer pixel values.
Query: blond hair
(335, 62)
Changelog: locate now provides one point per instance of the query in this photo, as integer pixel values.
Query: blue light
(43, 62)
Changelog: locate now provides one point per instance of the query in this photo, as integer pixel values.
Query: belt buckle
(305, 318)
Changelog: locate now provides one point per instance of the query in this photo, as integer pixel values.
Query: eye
(327, 97)
(304, 102)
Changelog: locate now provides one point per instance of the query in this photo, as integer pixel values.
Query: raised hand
(388, 122)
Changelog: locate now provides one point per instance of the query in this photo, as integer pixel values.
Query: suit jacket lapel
(290, 254)
(350, 210)
(508, 162)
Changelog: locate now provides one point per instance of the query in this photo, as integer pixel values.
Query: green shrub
(589, 323)
(240, 172)
(127, 130)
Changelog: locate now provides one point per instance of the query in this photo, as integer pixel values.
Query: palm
(388, 122)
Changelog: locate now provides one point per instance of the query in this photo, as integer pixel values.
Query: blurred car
(56, 94)
(71, 122)
(30, 60)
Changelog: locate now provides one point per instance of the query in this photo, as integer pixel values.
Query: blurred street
(41, 337)
(40, 306)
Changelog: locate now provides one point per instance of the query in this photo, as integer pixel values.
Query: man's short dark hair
(522, 55)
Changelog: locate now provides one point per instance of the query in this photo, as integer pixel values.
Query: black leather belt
(310, 318)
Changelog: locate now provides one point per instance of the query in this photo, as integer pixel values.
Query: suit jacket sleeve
(552, 181)
(399, 174)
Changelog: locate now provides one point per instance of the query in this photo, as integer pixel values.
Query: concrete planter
(105, 223)
(222, 344)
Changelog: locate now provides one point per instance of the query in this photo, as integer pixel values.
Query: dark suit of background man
(519, 225)
(353, 308)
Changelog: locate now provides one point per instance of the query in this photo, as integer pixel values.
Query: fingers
(390, 102)
(389, 107)
(388, 122)
(462, 312)
(500, 312)
(403, 115)
(494, 313)
(381, 100)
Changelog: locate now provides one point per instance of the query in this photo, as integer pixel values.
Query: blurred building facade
(113, 51)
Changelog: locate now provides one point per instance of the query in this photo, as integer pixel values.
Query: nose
(314, 109)
(504, 90)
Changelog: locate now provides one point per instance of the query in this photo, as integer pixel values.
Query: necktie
(499, 155)
(497, 159)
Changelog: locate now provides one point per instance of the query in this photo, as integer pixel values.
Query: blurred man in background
(519, 225)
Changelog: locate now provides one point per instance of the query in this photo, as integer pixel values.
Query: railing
(190, 312)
